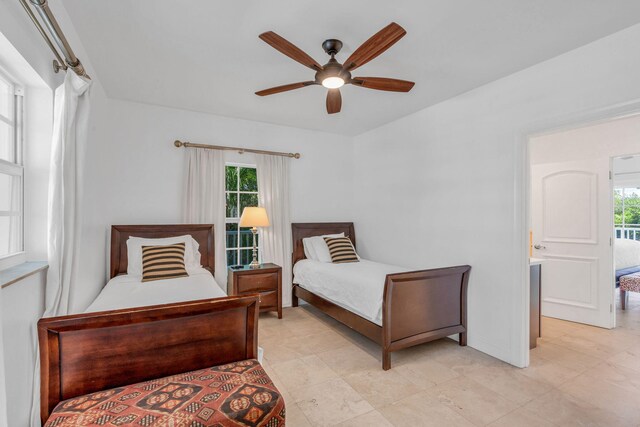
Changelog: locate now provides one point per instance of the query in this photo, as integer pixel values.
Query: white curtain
(3, 383)
(70, 126)
(273, 195)
(205, 200)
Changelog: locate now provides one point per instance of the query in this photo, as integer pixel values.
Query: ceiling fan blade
(289, 49)
(381, 83)
(284, 88)
(334, 101)
(373, 47)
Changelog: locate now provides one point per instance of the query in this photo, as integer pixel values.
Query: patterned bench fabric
(630, 282)
(237, 394)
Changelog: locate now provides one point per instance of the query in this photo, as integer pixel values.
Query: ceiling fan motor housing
(332, 46)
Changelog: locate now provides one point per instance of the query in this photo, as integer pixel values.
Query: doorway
(576, 202)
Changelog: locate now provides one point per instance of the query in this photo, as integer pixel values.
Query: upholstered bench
(628, 283)
(239, 394)
(189, 364)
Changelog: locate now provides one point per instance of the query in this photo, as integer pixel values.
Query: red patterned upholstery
(630, 282)
(237, 394)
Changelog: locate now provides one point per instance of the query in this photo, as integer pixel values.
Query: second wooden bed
(418, 306)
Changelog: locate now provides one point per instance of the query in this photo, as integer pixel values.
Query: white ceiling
(205, 55)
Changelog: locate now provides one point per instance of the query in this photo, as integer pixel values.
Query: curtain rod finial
(296, 155)
(177, 143)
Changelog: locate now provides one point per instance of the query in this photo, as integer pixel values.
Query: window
(627, 213)
(11, 169)
(241, 191)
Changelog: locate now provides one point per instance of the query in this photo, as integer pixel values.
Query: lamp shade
(254, 217)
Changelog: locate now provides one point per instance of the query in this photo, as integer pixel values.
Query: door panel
(572, 225)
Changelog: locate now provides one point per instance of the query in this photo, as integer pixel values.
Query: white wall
(22, 306)
(134, 174)
(445, 185)
(612, 138)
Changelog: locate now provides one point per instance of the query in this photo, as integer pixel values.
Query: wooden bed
(202, 233)
(90, 352)
(418, 306)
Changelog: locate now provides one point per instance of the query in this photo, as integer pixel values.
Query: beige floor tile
(275, 352)
(303, 372)
(423, 410)
(509, 382)
(472, 400)
(620, 376)
(349, 360)
(604, 395)
(294, 415)
(564, 409)
(380, 387)
(314, 343)
(330, 403)
(426, 373)
(548, 372)
(596, 344)
(565, 357)
(522, 418)
(373, 419)
(629, 358)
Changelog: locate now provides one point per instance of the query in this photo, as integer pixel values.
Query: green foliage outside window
(241, 185)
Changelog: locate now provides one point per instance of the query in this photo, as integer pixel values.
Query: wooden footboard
(89, 352)
(421, 306)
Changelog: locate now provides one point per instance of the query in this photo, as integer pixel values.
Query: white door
(572, 227)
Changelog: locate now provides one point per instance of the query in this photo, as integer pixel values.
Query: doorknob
(539, 246)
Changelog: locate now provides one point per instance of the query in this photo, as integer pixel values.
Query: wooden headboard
(301, 230)
(90, 352)
(202, 233)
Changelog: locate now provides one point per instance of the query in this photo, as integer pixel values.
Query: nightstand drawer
(257, 282)
(268, 299)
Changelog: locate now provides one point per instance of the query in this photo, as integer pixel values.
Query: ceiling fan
(333, 75)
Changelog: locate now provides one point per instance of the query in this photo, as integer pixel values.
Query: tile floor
(330, 375)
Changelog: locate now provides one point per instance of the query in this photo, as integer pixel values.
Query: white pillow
(134, 252)
(320, 247)
(309, 251)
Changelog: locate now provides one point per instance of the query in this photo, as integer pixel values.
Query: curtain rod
(70, 59)
(185, 144)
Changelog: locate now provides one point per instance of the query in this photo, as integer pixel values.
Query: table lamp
(254, 217)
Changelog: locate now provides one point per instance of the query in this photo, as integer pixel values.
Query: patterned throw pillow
(163, 262)
(341, 249)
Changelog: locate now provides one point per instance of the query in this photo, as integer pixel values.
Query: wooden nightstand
(265, 280)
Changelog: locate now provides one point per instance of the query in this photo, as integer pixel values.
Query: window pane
(10, 193)
(7, 142)
(248, 200)
(232, 257)
(248, 179)
(232, 205)
(232, 235)
(245, 256)
(10, 234)
(6, 96)
(232, 178)
(246, 238)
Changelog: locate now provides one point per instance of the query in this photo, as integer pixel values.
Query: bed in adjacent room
(391, 305)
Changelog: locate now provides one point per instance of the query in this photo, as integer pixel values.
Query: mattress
(356, 286)
(128, 291)
(238, 394)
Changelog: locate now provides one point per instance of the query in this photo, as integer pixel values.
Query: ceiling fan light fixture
(333, 82)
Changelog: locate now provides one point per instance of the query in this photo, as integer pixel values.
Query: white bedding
(356, 286)
(128, 291)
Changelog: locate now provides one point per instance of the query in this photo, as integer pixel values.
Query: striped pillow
(341, 249)
(163, 262)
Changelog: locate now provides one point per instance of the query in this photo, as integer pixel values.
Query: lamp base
(254, 264)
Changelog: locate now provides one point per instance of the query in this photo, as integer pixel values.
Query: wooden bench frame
(90, 352)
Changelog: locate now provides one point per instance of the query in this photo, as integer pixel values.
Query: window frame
(235, 220)
(15, 168)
